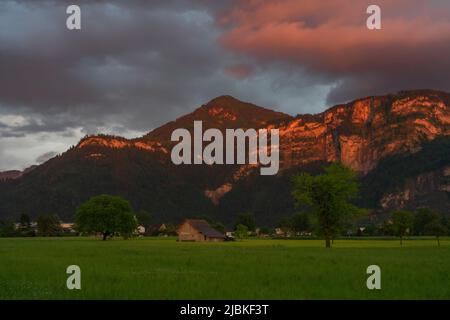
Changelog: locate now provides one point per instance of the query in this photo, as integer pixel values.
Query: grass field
(150, 268)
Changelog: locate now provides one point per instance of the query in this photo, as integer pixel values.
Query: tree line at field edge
(325, 210)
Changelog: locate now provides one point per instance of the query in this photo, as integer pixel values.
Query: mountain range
(399, 144)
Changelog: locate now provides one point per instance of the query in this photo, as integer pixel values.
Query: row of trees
(327, 199)
(104, 214)
(423, 222)
(46, 225)
(325, 202)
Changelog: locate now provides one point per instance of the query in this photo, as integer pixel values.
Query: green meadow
(155, 268)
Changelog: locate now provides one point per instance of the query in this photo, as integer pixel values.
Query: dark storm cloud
(134, 65)
(123, 58)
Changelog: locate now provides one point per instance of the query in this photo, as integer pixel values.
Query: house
(140, 230)
(67, 227)
(198, 230)
(229, 234)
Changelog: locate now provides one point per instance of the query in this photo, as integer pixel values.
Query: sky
(138, 64)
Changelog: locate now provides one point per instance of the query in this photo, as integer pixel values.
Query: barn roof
(203, 227)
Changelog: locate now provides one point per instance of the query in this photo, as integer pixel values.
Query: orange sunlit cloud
(331, 37)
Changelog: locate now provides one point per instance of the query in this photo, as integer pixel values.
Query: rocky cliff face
(360, 134)
(420, 190)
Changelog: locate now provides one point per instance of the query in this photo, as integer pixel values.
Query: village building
(67, 227)
(229, 234)
(198, 230)
(140, 230)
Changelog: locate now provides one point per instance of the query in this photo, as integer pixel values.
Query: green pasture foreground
(155, 268)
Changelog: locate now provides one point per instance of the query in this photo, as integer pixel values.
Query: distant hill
(14, 174)
(10, 174)
(398, 143)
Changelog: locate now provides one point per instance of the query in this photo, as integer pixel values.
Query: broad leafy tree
(107, 215)
(402, 223)
(422, 217)
(328, 195)
(48, 225)
(241, 231)
(436, 228)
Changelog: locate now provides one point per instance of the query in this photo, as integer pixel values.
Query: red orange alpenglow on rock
(359, 134)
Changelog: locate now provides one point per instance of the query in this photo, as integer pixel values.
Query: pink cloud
(330, 37)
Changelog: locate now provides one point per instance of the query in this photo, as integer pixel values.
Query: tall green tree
(436, 228)
(107, 215)
(402, 222)
(422, 217)
(328, 195)
(48, 225)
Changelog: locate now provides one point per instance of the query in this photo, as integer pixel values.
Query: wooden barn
(198, 230)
